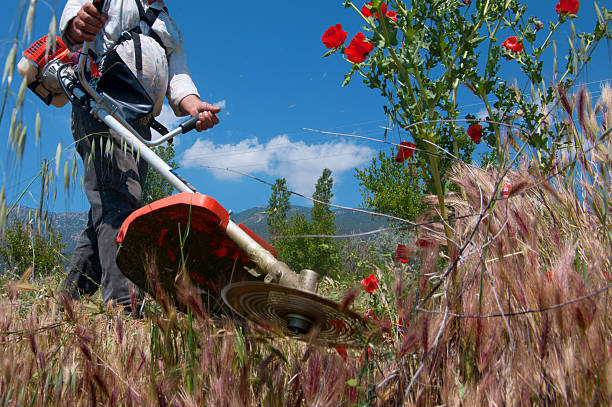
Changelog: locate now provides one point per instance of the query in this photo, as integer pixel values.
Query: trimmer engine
(40, 65)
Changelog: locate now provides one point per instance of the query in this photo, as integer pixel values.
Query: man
(114, 182)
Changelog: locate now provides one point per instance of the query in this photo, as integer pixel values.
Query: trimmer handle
(189, 124)
(99, 5)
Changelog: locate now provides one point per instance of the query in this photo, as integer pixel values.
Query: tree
(321, 215)
(392, 188)
(278, 207)
(156, 187)
(319, 254)
(23, 247)
(326, 250)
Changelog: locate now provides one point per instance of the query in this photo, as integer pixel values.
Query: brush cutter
(190, 233)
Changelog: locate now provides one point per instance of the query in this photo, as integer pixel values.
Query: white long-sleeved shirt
(164, 73)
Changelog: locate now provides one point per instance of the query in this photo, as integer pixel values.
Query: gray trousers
(113, 184)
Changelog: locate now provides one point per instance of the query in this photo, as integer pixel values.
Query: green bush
(24, 245)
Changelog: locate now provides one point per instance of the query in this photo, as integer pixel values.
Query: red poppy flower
(512, 44)
(370, 283)
(334, 36)
(406, 150)
(342, 352)
(506, 190)
(475, 133)
(401, 253)
(358, 49)
(422, 243)
(366, 11)
(392, 15)
(538, 25)
(370, 314)
(567, 7)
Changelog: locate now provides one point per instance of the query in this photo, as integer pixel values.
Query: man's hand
(87, 24)
(206, 112)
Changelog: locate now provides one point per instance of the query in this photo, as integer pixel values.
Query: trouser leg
(83, 272)
(113, 182)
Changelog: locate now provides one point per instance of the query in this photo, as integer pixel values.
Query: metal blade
(295, 313)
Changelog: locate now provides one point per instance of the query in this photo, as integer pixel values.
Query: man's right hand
(87, 24)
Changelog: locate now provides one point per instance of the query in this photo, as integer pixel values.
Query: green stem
(435, 173)
(403, 72)
(500, 158)
(459, 52)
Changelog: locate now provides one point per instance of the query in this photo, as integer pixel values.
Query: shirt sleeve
(70, 11)
(180, 83)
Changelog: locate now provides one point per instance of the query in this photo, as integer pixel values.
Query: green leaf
(600, 18)
(351, 382)
(347, 78)
(330, 52)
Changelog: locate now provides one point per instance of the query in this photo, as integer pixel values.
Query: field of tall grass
(517, 314)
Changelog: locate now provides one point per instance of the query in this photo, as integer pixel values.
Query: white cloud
(300, 163)
(482, 114)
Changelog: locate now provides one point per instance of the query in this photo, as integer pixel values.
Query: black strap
(137, 52)
(158, 127)
(149, 17)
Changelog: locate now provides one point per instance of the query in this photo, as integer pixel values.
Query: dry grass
(523, 318)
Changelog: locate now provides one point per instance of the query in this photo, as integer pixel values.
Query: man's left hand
(192, 105)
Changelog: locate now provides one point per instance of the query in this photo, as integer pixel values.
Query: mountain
(347, 222)
(71, 224)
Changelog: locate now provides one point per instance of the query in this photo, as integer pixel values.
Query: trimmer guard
(151, 238)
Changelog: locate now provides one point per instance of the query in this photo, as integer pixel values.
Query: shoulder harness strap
(149, 18)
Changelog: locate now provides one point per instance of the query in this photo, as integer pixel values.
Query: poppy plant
(512, 44)
(334, 36)
(401, 253)
(567, 7)
(358, 49)
(406, 150)
(475, 133)
(370, 283)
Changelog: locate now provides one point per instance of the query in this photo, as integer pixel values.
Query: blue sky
(261, 62)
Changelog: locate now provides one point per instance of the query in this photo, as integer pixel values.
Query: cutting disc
(295, 313)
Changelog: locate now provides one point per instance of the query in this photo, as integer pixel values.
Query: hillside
(347, 222)
(70, 224)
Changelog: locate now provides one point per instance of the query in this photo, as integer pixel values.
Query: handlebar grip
(189, 124)
(99, 5)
